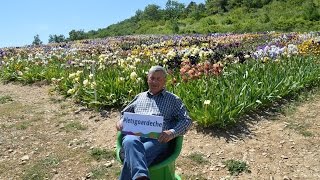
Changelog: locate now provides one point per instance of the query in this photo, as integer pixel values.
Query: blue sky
(21, 20)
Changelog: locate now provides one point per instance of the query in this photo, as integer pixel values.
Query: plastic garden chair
(164, 166)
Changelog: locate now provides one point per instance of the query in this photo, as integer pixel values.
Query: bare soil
(44, 136)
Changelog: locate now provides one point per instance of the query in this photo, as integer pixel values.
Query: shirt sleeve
(184, 121)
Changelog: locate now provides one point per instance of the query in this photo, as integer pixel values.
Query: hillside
(216, 16)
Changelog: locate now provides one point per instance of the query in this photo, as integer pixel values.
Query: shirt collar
(163, 92)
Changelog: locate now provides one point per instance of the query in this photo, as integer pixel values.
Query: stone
(286, 178)
(105, 113)
(10, 150)
(108, 164)
(25, 158)
(80, 109)
(96, 120)
(89, 175)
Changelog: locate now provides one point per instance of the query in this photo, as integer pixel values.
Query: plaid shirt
(166, 104)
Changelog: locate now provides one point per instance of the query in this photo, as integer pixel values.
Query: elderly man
(140, 151)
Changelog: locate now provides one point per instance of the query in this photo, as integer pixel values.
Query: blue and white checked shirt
(166, 104)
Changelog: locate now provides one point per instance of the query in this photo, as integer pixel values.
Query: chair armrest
(119, 145)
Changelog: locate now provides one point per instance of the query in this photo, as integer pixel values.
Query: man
(140, 151)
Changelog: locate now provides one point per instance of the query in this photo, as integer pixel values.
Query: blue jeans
(139, 154)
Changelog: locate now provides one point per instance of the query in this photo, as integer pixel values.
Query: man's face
(156, 82)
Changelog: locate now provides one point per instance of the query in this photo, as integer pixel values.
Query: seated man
(141, 151)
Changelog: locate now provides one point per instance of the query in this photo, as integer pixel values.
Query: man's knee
(130, 140)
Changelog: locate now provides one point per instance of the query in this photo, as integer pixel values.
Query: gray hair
(154, 69)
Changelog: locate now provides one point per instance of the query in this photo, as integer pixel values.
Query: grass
(56, 100)
(2, 168)
(296, 124)
(99, 172)
(103, 172)
(197, 177)
(305, 96)
(5, 99)
(99, 154)
(63, 114)
(236, 167)
(41, 169)
(50, 161)
(300, 128)
(64, 105)
(74, 126)
(198, 158)
(13, 109)
(22, 125)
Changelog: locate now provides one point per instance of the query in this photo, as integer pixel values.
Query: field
(59, 104)
(46, 136)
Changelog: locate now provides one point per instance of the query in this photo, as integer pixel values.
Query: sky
(21, 20)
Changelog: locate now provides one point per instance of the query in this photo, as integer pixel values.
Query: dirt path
(43, 136)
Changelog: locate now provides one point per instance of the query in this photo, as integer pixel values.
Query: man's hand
(165, 136)
(119, 125)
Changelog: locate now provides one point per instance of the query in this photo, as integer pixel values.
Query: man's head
(156, 79)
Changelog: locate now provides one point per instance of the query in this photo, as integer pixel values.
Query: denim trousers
(139, 154)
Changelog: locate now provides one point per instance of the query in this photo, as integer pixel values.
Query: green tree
(174, 9)
(216, 6)
(193, 11)
(234, 3)
(311, 11)
(255, 3)
(56, 38)
(77, 35)
(151, 12)
(192, 6)
(138, 16)
(174, 26)
(36, 40)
